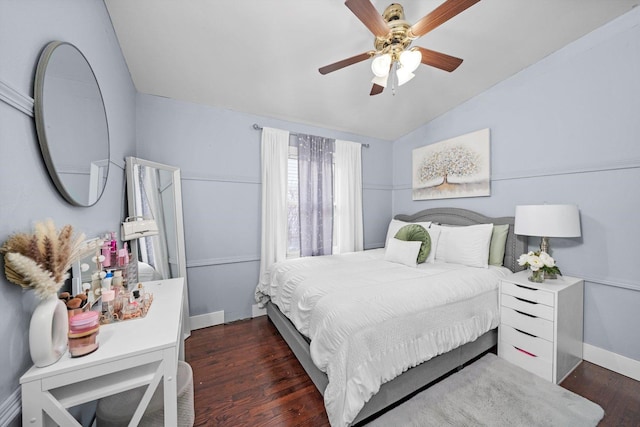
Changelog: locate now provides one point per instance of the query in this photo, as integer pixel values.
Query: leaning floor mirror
(154, 192)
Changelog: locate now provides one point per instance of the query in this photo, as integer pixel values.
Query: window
(293, 206)
(293, 211)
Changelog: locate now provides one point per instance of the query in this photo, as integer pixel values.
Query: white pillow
(402, 252)
(465, 245)
(395, 225)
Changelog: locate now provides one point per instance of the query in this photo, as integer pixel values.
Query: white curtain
(348, 195)
(274, 154)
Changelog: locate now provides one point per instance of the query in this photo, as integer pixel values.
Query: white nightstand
(541, 324)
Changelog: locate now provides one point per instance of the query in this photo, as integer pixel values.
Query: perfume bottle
(114, 249)
(106, 253)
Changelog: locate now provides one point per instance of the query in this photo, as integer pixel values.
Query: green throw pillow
(498, 244)
(416, 233)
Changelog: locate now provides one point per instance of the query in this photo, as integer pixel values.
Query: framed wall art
(456, 167)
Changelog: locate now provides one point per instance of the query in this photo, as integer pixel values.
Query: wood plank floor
(245, 375)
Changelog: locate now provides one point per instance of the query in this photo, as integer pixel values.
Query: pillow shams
(413, 233)
(395, 225)
(498, 244)
(402, 252)
(468, 245)
(393, 228)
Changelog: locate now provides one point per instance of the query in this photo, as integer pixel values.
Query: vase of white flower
(541, 265)
(537, 276)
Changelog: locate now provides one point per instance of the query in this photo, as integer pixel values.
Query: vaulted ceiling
(262, 56)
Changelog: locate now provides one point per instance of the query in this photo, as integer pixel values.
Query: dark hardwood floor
(245, 375)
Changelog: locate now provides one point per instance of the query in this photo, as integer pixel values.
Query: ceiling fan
(393, 51)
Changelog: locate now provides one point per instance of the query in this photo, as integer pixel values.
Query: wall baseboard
(612, 361)
(257, 311)
(11, 408)
(206, 320)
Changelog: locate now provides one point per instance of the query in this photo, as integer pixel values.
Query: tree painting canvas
(456, 167)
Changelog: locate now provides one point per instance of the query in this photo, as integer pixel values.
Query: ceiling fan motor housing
(397, 40)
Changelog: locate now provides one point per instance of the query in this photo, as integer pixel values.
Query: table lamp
(547, 221)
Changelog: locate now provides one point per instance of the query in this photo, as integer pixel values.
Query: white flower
(547, 260)
(523, 260)
(535, 263)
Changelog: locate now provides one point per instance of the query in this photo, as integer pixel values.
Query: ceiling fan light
(380, 65)
(380, 80)
(410, 59)
(404, 75)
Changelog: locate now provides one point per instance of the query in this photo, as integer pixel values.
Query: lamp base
(544, 245)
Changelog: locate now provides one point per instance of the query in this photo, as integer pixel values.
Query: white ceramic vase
(48, 331)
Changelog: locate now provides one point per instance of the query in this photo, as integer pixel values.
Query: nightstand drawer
(528, 307)
(533, 345)
(530, 294)
(537, 326)
(536, 365)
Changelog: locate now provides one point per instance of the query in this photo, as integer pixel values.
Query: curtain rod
(258, 127)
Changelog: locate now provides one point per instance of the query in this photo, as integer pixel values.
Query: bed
(428, 361)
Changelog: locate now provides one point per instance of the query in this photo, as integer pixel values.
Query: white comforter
(369, 320)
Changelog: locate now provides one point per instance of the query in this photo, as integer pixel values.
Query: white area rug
(493, 392)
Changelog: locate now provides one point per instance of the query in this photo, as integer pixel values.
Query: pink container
(83, 333)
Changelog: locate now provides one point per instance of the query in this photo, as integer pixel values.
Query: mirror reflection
(154, 192)
(71, 123)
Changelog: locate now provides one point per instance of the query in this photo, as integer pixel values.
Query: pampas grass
(42, 260)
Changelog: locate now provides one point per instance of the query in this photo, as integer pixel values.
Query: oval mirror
(71, 123)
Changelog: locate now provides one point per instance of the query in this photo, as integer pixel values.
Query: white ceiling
(262, 56)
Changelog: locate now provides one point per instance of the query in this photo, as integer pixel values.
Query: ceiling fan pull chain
(394, 78)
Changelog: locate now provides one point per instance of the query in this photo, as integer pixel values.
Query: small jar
(117, 280)
(108, 297)
(83, 333)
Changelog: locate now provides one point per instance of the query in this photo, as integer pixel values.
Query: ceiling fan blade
(376, 89)
(370, 17)
(345, 62)
(440, 15)
(439, 60)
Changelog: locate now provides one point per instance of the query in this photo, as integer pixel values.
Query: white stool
(117, 410)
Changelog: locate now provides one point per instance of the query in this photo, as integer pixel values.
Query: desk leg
(31, 405)
(170, 387)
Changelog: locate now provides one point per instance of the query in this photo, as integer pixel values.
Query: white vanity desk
(130, 354)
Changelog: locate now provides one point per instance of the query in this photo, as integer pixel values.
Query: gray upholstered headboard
(516, 245)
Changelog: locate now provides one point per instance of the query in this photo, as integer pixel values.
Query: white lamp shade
(381, 64)
(547, 221)
(410, 59)
(404, 75)
(380, 81)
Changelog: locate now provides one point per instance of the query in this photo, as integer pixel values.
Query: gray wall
(26, 190)
(218, 153)
(566, 130)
